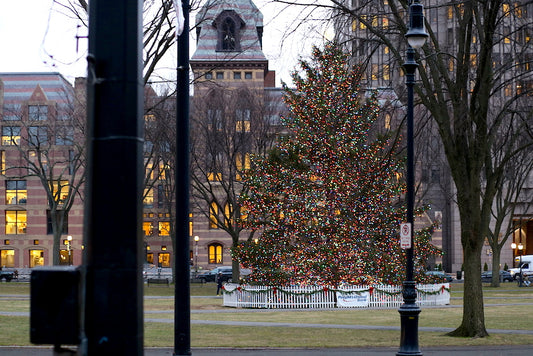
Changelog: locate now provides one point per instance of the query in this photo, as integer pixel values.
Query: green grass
(14, 330)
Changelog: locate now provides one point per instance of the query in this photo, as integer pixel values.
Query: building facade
(371, 32)
(39, 177)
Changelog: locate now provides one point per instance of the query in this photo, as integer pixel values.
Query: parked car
(504, 276)
(210, 276)
(439, 276)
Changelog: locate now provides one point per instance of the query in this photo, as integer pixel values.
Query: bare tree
(228, 126)
(50, 141)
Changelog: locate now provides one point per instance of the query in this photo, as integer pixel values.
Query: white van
(526, 268)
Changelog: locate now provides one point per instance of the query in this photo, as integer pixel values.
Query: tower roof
(216, 20)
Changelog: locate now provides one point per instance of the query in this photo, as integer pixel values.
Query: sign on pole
(405, 235)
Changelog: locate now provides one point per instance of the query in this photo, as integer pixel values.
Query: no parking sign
(405, 235)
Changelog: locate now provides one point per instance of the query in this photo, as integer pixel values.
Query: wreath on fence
(370, 290)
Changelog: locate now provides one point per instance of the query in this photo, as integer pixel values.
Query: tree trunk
(496, 251)
(55, 247)
(473, 323)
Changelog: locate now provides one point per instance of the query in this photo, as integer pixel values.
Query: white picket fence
(309, 297)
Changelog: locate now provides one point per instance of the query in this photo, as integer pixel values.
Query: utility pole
(113, 285)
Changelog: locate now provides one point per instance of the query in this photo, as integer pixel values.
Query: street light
(69, 240)
(196, 239)
(520, 247)
(416, 36)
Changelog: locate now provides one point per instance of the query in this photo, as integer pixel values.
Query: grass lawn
(517, 303)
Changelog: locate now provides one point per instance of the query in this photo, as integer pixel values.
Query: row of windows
(163, 228)
(37, 135)
(242, 163)
(17, 193)
(16, 222)
(36, 258)
(236, 75)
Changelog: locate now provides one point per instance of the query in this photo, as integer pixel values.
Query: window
(12, 112)
(242, 120)
(60, 190)
(375, 71)
(164, 259)
(16, 222)
(386, 72)
(64, 257)
(2, 162)
(64, 135)
(228, 215)
(213, 216)
(214, 119)
(215, 253)
(148, 228)
(362, 25)
(247, 75)
(16, 192)
(164, 228)
(236, 75)
(220, 75)
(36, 258)
(388, 119)
(191, 224)
(160, 196)
(228, 34)
(37, 135)
(10, 135)
(7, 258)
(148, 201)
(49, 228)
(38, 112)
(242, 162)
(208, 75)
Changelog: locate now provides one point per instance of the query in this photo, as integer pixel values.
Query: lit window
(164, 228)
(388, 119)
(60, 190)
(164, 259)
(375, 71)
(450, 13)
(213, 216)
(7, 258)
(362, 26)
(228, 215)
(148, 200)
(508, 90)
(242, 163)
(191, 224)
(10, 135)
(242, 120)
(148, 228)
(16, 192)
(38, 112)
(215, 253)
(386, 72)
(214, 177)
(385, 22)
(36, 258)
(2, 162)
(505, 10)
(16, 222)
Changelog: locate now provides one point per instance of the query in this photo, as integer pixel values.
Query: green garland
(370, 290)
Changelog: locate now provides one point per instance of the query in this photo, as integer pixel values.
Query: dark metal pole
(182, 306)
(409, 310)
(113, 288)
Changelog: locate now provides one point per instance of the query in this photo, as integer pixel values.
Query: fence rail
(310, 297)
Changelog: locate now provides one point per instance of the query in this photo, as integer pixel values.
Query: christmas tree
(325, 202)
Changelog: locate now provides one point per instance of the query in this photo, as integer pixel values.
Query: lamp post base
(409, 322)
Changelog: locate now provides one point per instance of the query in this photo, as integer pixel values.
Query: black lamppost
(416, 36)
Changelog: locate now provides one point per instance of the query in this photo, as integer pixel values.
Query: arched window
(228, 34)
(215, 253)
(228, 25)
(213, 216)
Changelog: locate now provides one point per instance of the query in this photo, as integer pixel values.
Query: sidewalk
(430, 351)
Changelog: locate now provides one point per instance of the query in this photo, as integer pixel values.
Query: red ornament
(326, 289)
(442, 289)
(371, 290)
(239, 288)
(274, 290)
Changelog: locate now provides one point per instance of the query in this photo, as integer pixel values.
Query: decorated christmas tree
(325, 202)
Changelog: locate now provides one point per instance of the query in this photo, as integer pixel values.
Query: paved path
(430, 351)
